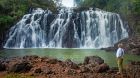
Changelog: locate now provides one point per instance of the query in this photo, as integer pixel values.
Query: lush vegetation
(12, 10)
(119, 6)
(129, 9)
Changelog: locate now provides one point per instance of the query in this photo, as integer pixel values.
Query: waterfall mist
(87, 29)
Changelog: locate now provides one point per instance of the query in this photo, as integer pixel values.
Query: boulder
(93, 60)
(71, 64)
(20, 67)
(101, 68)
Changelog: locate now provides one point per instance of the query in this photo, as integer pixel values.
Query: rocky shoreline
(131, 45)
(46, 67)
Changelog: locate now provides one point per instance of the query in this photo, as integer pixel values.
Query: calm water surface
(76, 55)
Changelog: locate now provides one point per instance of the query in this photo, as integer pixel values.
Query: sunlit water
(76, 55)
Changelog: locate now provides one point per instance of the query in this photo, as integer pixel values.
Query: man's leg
(120, 65)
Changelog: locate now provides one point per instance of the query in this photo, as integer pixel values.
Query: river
(76, 55)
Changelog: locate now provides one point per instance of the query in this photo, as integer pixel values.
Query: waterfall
(67, 29)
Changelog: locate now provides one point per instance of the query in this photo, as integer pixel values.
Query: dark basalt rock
(93, 60)
(20, 67)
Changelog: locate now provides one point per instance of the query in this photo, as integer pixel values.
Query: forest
(128, 9)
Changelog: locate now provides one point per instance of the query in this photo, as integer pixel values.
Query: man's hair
(120, 45)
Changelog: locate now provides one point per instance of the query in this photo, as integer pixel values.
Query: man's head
(120, 45)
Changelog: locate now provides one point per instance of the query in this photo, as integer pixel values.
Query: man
(119, 56)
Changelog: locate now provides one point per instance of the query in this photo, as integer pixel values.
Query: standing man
(119, 56)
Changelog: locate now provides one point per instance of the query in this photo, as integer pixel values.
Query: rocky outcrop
(131, 45)
(95, 64)
(45, 67)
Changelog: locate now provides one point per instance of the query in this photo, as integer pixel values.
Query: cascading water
(68, 29)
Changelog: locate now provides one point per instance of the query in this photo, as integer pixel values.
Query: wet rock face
(93, 60)
(131, 45)
(20, 67)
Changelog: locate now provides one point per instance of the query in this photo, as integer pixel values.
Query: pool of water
(76, 55)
